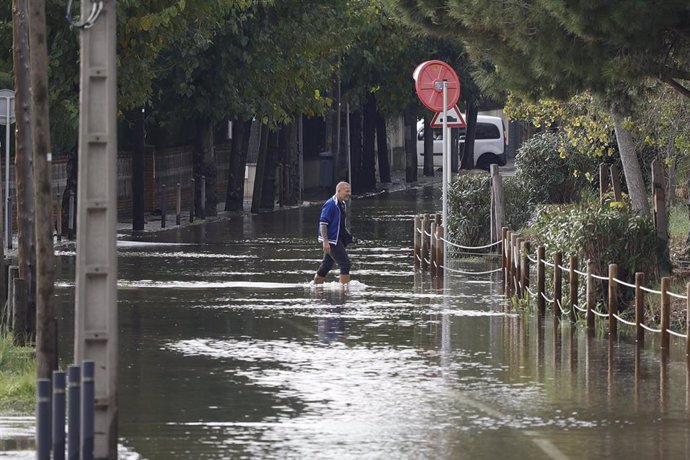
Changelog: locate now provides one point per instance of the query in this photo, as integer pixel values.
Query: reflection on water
(229, 351)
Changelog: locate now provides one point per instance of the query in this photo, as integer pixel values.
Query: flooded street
(228, 351)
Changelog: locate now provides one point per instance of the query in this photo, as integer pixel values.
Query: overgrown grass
(17, 377)
(678, 227)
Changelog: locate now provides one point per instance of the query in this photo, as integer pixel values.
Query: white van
(489, 143)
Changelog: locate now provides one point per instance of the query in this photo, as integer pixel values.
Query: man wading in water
(334, 235)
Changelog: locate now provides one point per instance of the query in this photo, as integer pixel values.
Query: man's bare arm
(324, 234)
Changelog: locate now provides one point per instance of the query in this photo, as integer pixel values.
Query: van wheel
(486, 160)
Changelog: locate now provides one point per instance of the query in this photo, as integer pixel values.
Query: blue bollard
(87, 409)
(73, 423)
(43, 419)
(58, 415)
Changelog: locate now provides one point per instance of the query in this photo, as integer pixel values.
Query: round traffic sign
(428, 81)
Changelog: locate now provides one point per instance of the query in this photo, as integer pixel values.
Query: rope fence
(517, 261)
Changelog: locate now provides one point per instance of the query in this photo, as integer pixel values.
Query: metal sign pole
(446, 170)
(8, 236)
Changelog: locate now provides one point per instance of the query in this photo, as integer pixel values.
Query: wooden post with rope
(557, 284)
(426, 226)
(524, 270)
(665, 312)
(417, 249)
(591, 295)
(639, 307)
(541, 281)
(613, 299)
(433, 242)
(573, 286)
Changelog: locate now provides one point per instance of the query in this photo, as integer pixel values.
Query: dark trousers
(338, 255)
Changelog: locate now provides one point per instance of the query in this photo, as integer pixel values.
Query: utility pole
(24, 164)
(46, 333)
(96, 332)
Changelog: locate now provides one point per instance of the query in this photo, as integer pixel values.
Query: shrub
(469, 205)
(601, 234)
(551, 171)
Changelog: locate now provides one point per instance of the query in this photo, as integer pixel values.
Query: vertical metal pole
(163, 191)
(96, 329)
(8, 219)
(43, 419)
(178, 205)
(73, 415)
(70, 215)
(58, 218)
(191, 205)
(58, 415)
(349, 159)
(7, 170)
(87, 410)
(202, 201)
(446, 166)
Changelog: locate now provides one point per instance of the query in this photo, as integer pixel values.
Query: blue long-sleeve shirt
(330, 215)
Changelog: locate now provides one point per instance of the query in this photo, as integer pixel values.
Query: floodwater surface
(227, 350)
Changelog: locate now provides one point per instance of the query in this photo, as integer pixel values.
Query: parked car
(489, 143)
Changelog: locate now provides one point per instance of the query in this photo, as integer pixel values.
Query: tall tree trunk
(428, 146)
(138, 171)
(368, 143)
(293, 186)
(268, 194)
(382, 149)
(631, 165)
(470, 135)
(356, 150)
(206, 166)
(46, 334)
(234, 196)
(410, 146)
(260, 170)
(23, 168)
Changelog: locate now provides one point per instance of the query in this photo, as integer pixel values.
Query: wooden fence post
(639, 306)
(591, 294)
(603, 182)
(513, 262)
(613, 299)
(660, 220)
(509, 262)
(504, 246)
(499, 207)
(417, 240)
(433, 263)
(573, 286)
(518, 266)
(687, 320)
(524, 270)
(665, 312)
(441, 252)
(557, 284)
(426, 226)
(541, 281)
(616, 183)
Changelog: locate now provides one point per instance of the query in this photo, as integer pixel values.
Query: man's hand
(326, 247)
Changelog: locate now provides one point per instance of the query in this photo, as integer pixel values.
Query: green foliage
(469, 201)
(17, 376)
(602, 235)
(469, 205)
(550, 176)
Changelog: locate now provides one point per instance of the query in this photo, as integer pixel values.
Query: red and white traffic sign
(428, 81)
(454, 119)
